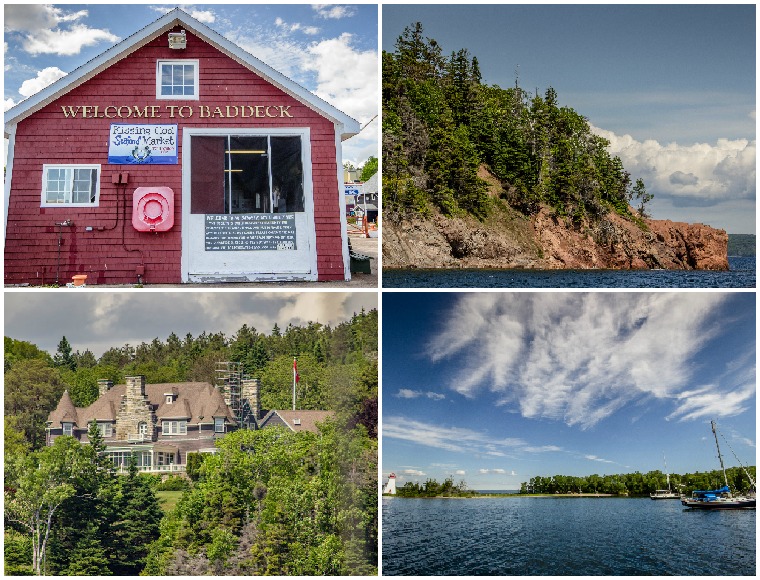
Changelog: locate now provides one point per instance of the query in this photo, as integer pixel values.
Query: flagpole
(294, 384)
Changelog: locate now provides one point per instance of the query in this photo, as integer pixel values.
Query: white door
(247, 205)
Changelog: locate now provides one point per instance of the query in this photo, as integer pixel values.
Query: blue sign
(143, 144)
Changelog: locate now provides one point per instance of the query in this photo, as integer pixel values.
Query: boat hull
(734, 504)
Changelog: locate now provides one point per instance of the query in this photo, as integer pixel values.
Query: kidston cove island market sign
(176, 111)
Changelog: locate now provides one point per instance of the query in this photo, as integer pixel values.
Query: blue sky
(329, 49)
(672, 87)
(495, 388)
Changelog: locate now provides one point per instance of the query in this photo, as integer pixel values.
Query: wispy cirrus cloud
(457, 439)
(579, 358)
(412, 394)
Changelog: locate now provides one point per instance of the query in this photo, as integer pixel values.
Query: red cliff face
(548, 242)
(616, 243)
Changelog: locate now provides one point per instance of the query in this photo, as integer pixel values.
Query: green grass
(168, 499)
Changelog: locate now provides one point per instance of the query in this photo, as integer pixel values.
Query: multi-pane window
(177, 79)
(174, 427)
(106, 429)
(142, 429)
(68, 428)
(76, 185)
(165, 458)
(120, 459)
(219, 424)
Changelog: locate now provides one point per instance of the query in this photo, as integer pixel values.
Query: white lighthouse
(390, 487)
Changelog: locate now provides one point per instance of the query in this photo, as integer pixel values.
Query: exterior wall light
(177, 40)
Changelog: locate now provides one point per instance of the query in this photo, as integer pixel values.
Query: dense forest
(431, 488)
(742, 245)
(441, 123)
(270, 502)
(640, 484)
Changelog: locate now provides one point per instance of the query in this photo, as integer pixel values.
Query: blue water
(572, 536)
(740, 275)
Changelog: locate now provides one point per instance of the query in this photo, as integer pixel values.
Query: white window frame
(43, 196)
(219, 426)
(174, 427)
(169, 399)
(68, 427)
(196, 78)
(142, 429)
(106, 429)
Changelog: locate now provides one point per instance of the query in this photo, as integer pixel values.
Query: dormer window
(177, 79)
(218, 424)
(106, 429)
(169, 399)
(68, 428)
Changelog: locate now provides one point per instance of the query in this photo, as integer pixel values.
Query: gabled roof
(295, 420)
(65, 412)
(13, 116)
(196, 402)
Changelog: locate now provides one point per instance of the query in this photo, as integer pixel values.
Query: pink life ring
(153, 209)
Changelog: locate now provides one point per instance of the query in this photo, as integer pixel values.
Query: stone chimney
(135, 387)
(104, 385)
(135, 409)
(250, 391)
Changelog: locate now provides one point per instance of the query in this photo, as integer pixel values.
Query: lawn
(168, 499)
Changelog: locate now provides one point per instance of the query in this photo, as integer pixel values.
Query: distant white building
(390, 487)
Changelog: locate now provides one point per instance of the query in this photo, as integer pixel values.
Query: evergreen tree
(63, 356)
(88, 557)
(137, 522)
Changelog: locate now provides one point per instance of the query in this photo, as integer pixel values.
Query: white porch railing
(156, 469)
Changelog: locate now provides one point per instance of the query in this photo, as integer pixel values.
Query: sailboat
(665, 493)
(720, 498)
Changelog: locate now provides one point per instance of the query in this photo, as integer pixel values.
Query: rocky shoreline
(546, 242)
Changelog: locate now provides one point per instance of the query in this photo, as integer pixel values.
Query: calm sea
(740, 275)
(573, 536)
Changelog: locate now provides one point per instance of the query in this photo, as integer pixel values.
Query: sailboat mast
(720, 457)
(666, 470)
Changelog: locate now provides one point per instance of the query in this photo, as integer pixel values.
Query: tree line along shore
(618, 485)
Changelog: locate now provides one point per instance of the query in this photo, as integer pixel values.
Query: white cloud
(526, 348)
(65, 42)
(595, 458)
(36, 17)
(413, 472)
(703, 172)
(412, 394)
(346, 77)
(295, 27)
(42, 34)
(45, 77)
(9, 103)
(460, 472)
(330, 11)
(492, 471)
(205, 16)
(457, 439)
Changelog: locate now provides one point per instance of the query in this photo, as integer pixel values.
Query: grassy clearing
(168, 499)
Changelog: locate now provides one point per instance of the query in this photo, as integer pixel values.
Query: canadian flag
(296, 376)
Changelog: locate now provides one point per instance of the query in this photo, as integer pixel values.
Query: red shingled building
(175, 156)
